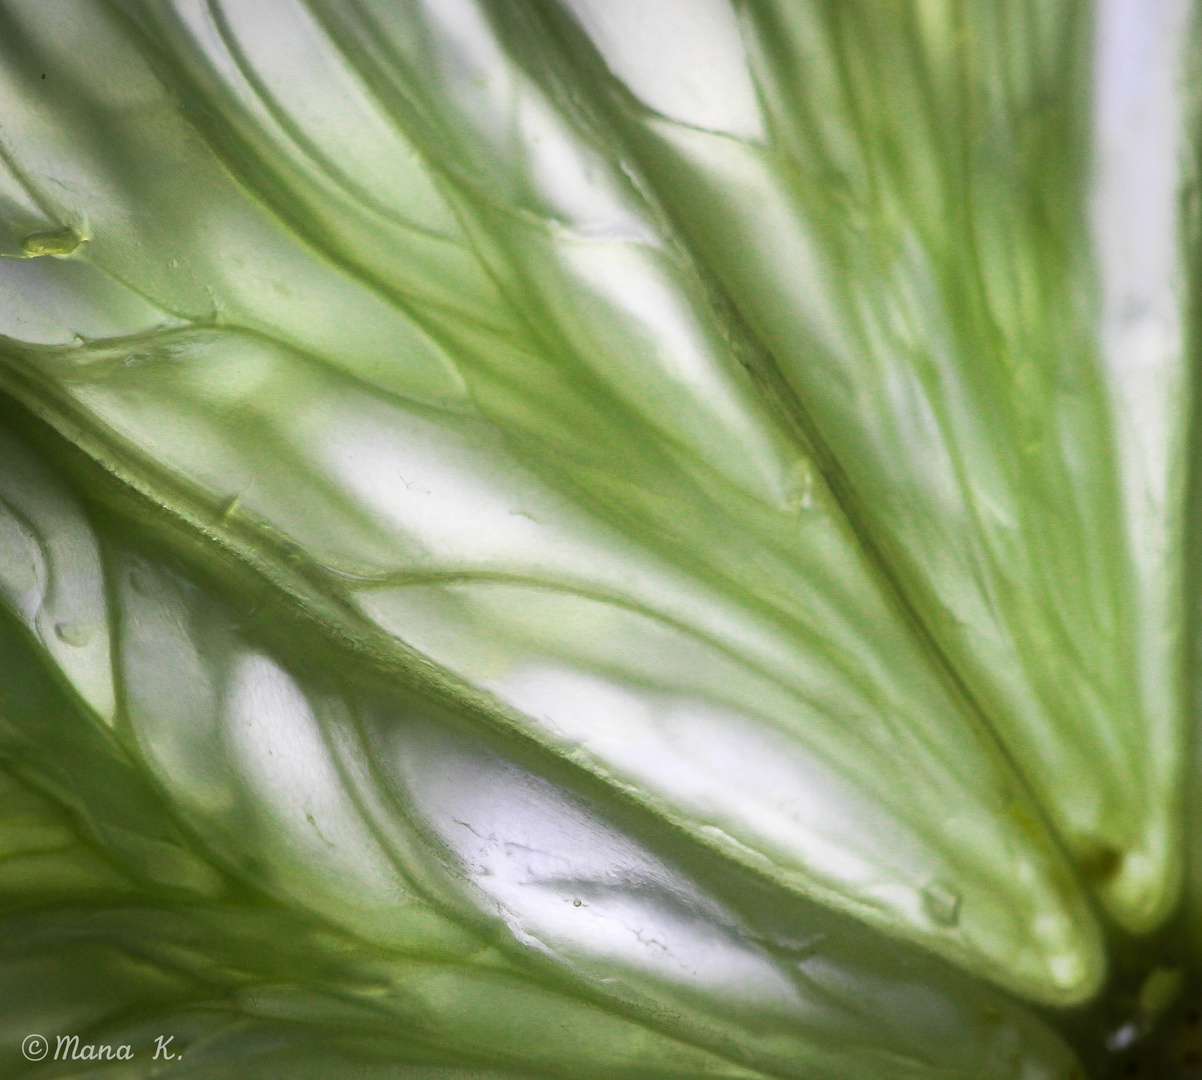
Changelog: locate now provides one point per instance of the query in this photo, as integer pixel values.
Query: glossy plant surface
(598, 539)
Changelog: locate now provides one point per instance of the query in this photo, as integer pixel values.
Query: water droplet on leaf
(76, 634)
(941, 904)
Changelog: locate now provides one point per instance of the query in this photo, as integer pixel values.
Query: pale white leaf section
(700, 729)
(168, 222)
(581, 256)
(1139, 148)
(609, 907)
(570, 884)
(682, 58)
(61, 301)
(51, 575)
(304, 92)
(240, 747)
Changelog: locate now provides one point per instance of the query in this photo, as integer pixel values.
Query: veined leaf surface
(674, 436)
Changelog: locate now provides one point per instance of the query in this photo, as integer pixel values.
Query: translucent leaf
(609, 455)
(50, 575)
(494, 914)
(974, 297)
(601, 539)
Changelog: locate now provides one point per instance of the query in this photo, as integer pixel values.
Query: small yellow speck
(60, 242)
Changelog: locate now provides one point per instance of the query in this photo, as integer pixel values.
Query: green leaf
(661, 529)
(387, 865)
(907, 229)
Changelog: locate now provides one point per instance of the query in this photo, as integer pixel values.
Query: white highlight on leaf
(1138, 146)
(568, 881)
(1137, 130)
(50, 574)
(682, 58)
(238, 745)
